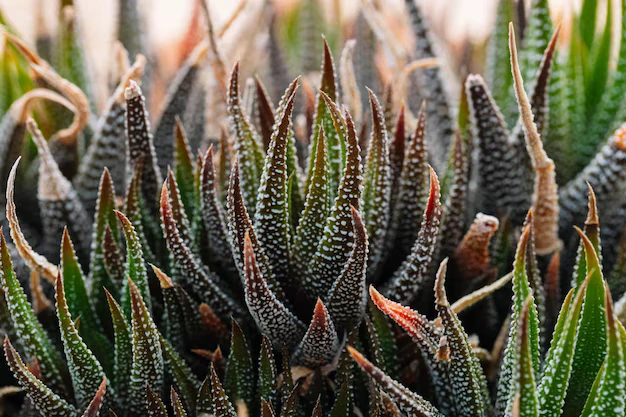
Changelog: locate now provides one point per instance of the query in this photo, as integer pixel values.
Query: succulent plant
(233, 241)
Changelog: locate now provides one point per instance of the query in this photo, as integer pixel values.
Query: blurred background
(460, 25)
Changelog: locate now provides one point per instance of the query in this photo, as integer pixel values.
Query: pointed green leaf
(334, 248)
(85, 370)
(271, 316)
(467, 380)
(147, 367)
(410, 279)
(239, 377)
(347, 297)
(320, 343)
(267, 372)
(247, 144)
(46, 401)
(135, 265)
(412, 404)
(271, 221)
(123, 355)
(32, 337)
(377, 187)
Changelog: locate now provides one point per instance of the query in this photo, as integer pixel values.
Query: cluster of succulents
(359, 251)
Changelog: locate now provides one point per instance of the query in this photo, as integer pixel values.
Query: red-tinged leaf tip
(93, 410)
(440, 291)
(396, 311)
(366, 365)
(320, 315)
(357, 223)
(164, 280)
(592, 215)
(434, 194)
(121, 217)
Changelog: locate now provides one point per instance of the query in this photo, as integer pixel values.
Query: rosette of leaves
(210, 262)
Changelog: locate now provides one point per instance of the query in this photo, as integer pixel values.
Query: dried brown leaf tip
(473, 252)
(34, 260)
(545, 196)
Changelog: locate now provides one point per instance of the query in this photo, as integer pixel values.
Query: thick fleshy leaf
(147, 367)
(271, 316)
(172, 315)
(58, 202)
(412, 277)
(135, 266)
(93, 409)
(607, 395)
(104, 218)
(347, 297)
(203, 281)
(178, 94)
(558, 365)
(136, 210)
(123, 355)
(521, 291)
(605, 173)
(179, 214)
(108, 145)
(335, 246)
(412, 193)
(323, 118)
(412, 404)
(320, 343)
(85, 370)
(489, 127)
(376, 187)
(592, 231)
(497, 70)
(70, 58)
(222, 407)
(247, 144)
(46, 401)
(239, 378)
(266, 386)
(536, 36)
(184, 169)
(316, 208)
(272, 221)
(154, 404)
(203, 402)
(265, 109)
(523, 379)
(177, 404)
(430, 86)
(79, 305)
(467, 380)
(31, 336)
(213, 217)
(140, 145)
(239, 224)
(591, 342)
(453, 224)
